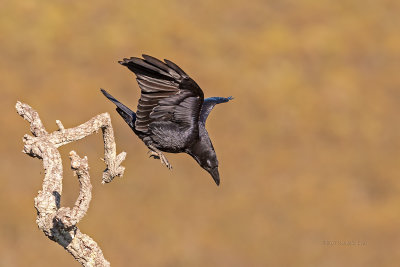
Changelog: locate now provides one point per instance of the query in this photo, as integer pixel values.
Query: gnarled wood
(59, 223)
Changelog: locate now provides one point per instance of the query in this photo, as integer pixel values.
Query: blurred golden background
(309, 150)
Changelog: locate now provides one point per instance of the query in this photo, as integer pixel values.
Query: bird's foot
(153, 154)
(159, 155)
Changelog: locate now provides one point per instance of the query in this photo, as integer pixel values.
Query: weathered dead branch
(59, 223)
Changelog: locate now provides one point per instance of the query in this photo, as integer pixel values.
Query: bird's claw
(153, 154)
(162, 158)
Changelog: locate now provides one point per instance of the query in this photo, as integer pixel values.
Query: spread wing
(209, 104)
(167, 93)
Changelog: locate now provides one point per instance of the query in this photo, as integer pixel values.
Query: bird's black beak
(215, 175)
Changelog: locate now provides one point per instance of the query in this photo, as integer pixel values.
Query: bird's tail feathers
(126, 113)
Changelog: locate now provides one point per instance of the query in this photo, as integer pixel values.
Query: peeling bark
(59, 223)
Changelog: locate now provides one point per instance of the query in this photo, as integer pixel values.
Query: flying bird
(171, 113)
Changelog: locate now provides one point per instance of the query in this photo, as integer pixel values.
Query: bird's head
(203, 152)
(207, 159)
(211, 166)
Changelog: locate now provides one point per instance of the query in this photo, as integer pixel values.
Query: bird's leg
(157, 154)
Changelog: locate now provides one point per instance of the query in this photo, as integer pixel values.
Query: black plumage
(171, 112)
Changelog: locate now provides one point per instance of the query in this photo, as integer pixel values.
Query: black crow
(171, 112)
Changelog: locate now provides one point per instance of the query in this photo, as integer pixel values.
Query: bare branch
(71, 217)
(65, 136)
(59, 223)
(60, 126)
(26, 112)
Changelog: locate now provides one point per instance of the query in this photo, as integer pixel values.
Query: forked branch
(59, 223)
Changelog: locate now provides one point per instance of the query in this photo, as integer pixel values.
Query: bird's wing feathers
(183, 108)
(209, 104)
(167, 93)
